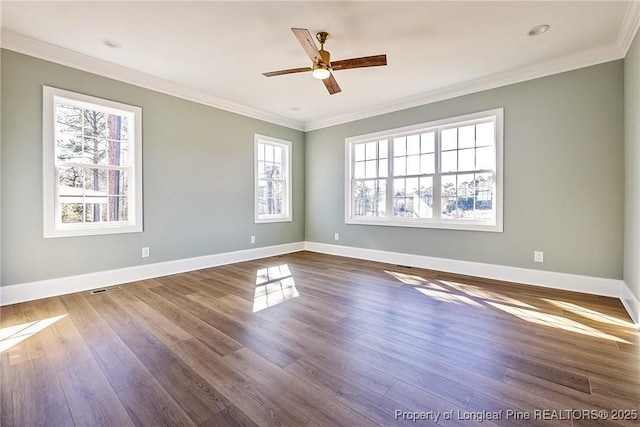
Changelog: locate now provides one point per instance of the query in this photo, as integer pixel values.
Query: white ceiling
(214, 52)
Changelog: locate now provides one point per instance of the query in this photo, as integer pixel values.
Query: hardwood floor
(306, 339)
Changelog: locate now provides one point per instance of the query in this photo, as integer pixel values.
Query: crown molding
(629, 26)
(42, 50)
(517, 75)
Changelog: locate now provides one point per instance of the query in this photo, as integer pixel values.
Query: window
(443, 174)
(272, 179)
(92, 164)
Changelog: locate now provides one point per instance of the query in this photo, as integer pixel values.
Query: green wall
(632, 168)
(197, 178)
(563, 177)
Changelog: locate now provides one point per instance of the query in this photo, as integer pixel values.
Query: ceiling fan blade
(365, 61)
(289, 71)
(331, 84)
(306, 40)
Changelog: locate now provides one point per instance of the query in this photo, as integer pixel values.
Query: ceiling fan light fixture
(320, 71)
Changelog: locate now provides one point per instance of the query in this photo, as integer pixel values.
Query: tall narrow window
(272, 179)
(92, 165)
(443, 174)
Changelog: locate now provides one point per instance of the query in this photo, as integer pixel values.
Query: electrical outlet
(253, 239)
(145, 252)
(538, 256)
(336, 236)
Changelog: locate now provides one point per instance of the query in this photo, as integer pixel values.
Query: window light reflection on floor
(590, 314)
(273, 286)
(13, 335)
(475, 296)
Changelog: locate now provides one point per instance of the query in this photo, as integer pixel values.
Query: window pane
(485, 134)
(449, 139)
(371, 151)
(95, 151)
(68, 148)
(427, 163)
(95, 212)
(270, 197)
(383, 149)
(70, 177)
(449, 161)
(114, 139)
(359, 152)
(68, 120)
(466, 159)
(466, 136)
(485, 158)
(358, 170)
(95, 124)
(413, 165)
(413, 197)
(399, 166)
(370, 169)
(277, 154)
(400, 146)
(369, 198)
(261, 151)
(423, 205)
(413, 144)
(95, 183)
(72, 213)
(427, 144)
(383, 166)
(268, 152)
(484, 200)
(449, 196)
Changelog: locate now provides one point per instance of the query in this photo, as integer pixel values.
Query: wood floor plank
(118, 363)
(251, 398)
(272, 350)
(194, 326)
(436, 409)
(149, 404)
(359, 341)
(37, 398)
(195, 396)
(299, 393)
(376, 407)
(91, 399)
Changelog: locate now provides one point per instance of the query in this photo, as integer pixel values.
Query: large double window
(92, 152)
(272, 179)
(443, 174)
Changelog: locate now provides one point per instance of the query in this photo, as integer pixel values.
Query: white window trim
(287, 216)
(52, 227)
(389, 220)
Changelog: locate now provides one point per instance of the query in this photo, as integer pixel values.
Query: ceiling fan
(322, 65)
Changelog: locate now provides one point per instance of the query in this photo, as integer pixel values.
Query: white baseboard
(631, 303)
(549, 279)
(65, 285)
(592, 285)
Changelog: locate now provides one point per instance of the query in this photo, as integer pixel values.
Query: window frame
(287, 215)
(495, 225)
(52, 223)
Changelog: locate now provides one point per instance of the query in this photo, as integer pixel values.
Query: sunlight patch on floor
(13, 335)
(555, 321)
(274, 285)
(447, 297)
(476, 296)
(409, 279)
(591, 314)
